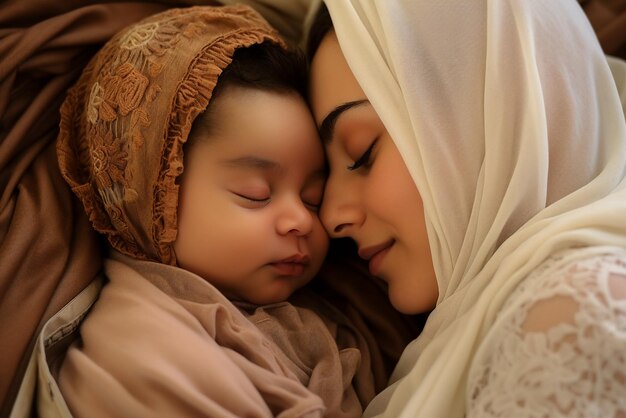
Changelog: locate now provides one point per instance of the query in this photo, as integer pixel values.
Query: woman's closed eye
(365, 159)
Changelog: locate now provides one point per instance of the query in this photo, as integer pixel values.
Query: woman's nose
(296, 218)
(340, 212)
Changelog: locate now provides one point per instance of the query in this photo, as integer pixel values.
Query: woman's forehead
(331, 81)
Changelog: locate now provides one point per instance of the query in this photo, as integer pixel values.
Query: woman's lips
(376, 255)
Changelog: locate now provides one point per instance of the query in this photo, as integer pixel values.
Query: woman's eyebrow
(327, 126)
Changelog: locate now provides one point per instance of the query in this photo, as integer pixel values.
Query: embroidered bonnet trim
(107, 113)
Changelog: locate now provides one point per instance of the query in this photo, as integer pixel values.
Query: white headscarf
(509, 120)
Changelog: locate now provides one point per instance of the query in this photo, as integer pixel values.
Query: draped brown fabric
(48, 251)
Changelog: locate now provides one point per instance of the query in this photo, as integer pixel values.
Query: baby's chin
(279, 293)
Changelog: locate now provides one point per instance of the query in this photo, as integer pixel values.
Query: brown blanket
(47, 250)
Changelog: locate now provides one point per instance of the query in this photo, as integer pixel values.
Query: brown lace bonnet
(124, 123)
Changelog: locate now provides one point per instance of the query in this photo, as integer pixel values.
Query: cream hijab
(509, 120)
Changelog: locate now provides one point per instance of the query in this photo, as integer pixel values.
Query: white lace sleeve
(562, 353)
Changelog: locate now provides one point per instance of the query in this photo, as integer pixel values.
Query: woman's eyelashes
(365, 159)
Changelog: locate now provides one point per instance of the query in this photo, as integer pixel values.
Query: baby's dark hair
(267, 67)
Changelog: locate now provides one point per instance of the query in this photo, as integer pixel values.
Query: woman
(477, 156)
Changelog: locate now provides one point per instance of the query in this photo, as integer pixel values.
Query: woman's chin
(409, 303)
(404, 304)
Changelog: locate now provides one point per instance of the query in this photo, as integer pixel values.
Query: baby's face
(249, 197)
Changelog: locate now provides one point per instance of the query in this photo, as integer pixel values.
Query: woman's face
(370, 195)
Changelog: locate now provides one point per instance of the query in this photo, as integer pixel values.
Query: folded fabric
(163, 341)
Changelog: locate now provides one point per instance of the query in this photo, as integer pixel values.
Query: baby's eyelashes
(313, 207)
(254, 199)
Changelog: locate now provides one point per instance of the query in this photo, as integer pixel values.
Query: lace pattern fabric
(576, 365)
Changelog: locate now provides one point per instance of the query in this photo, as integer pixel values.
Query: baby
(188, 140)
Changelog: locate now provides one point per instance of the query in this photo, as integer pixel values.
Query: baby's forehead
(249, 119)
(265, 133)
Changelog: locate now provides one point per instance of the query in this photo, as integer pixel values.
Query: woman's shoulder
(569, 283)
(569, 288)
(557, 347)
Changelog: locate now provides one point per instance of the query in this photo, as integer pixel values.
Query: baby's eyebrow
(254, 162)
